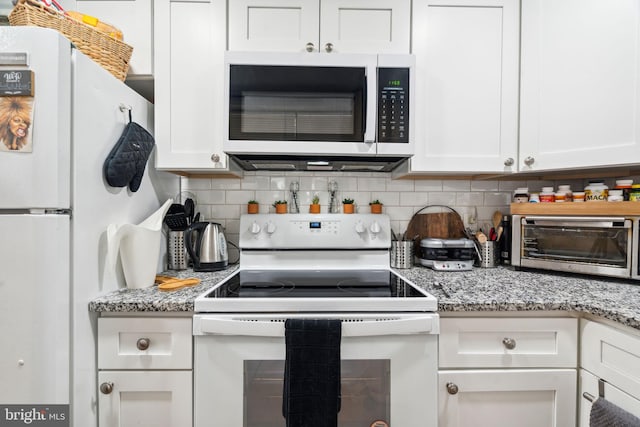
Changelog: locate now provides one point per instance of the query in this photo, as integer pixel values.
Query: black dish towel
(606, 414)
(311, 395)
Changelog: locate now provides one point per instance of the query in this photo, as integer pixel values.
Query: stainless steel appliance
(447, 254)
(600, 245)
(209, 250)
(324, 266)
(288, 111)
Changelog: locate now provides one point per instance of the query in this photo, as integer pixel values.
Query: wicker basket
(113, 55)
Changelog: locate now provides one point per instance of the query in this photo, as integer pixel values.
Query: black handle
(188, 240)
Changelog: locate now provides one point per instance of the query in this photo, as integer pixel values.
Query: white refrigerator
(54, 211)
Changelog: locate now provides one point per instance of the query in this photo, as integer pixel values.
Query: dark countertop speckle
(479, 290)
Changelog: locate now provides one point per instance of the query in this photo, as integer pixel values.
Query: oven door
(588, 245)
(286, 103)
(388, 369)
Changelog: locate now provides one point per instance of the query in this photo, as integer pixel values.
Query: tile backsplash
(224, 199)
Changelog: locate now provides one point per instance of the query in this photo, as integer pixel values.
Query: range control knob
(359, 227)
(255, 228)
(375, 227)
(271, 227)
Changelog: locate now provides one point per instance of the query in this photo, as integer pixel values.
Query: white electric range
(304, 266)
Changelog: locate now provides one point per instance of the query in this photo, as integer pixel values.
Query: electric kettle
(209, 251)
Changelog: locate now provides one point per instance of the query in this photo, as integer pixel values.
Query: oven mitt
(128, 158)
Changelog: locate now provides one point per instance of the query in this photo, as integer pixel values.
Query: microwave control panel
(393, 105)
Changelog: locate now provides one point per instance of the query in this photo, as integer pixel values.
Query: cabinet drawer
(508, 342)
(133, 343)
(589, 384)
(611, 354)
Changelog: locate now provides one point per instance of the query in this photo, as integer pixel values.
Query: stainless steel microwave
(606, 246)
(318, 106)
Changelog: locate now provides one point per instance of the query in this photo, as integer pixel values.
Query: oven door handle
(266, 328)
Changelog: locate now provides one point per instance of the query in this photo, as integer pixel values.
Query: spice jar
(566, 190)
(578, 196)
(521, 195)
(615, 196)
(634, 194)
(547, 195)
(596, 191)
(625, 186)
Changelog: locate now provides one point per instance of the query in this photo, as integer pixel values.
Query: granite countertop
(481, 289)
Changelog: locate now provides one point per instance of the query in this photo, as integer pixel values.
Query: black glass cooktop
(315, 284)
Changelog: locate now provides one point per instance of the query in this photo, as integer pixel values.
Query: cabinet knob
(509, 343)
(215, 158)
(106, 388)
(509, 161)
(529, 161)
(328, 47)
(143, 343)
(310, 47)
(452, 388)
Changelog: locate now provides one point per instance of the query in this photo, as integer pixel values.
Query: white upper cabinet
(190, 41)
(580, 84)
(466, 99)
(360, 26)
(134, 19)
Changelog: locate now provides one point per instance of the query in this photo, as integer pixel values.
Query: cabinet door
(589, 386)
(145, 398)
(466, 85)
(373, 26)
(190, 40)
(580, 84)
(273, 25)
(134, 19)
(501, 398)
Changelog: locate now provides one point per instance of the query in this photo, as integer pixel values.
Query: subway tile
(415, 198)
(211, 197)
(469, 199)
(400, 185)
(371, 184)
(255, 182)
(239, 197)
(219, 212)
(226, 184)
(456, 185)
(427, 185)
(497, 199)
(485, 185)
(446, 198)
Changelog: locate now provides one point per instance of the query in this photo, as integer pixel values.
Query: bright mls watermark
(34, 415)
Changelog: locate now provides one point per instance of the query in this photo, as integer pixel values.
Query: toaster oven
(606, 246)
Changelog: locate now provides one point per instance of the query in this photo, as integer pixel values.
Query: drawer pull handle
(106, 388)
(143, 343)
(509, 343)
(309, 47)
(452, 388)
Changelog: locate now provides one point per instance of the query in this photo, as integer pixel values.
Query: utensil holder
(402, 254)
(489, 254)
(177, 257)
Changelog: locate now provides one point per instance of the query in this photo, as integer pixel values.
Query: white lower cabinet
(609, 355)
(507, 398)
(498, 372)
(145, 375)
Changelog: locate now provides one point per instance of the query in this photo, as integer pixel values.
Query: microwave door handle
(368, 119)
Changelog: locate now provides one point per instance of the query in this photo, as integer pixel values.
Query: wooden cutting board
(440, 225)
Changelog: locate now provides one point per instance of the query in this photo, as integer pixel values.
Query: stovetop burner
(315, 263)
(273, 290)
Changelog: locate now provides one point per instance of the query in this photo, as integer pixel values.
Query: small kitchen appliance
(318, 112)
(209, 250)
(316, 267)
(607, 245)
(447, 254)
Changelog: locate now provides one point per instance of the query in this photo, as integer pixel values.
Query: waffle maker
(447, 254)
